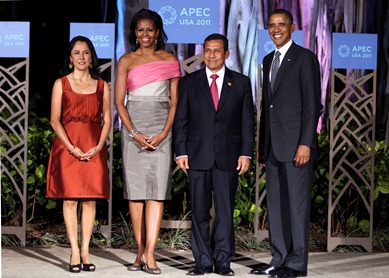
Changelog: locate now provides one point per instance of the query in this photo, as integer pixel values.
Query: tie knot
(277, 54)
(214, 76)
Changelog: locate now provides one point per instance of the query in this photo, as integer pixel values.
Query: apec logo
(168, 14)
(12, 39)
(188, 16)
(343, 51)
(354, 51)
(187, 21)
(358, 51)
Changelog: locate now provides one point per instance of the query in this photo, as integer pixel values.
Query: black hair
(153, 16)
(283, 11)
(217, 36)
(94, 71)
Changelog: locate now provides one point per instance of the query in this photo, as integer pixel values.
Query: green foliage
(244, 211)
(319, 193)
(178, 238)
(123, 233)
(40, 138)
(351, 215)
(117, 161)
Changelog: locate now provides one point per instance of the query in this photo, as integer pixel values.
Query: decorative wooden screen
(14, 130)
(352, 142)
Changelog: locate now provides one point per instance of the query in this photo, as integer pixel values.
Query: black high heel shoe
(88, 267)
(74, 268)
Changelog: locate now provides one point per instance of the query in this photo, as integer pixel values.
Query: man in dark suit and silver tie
(214, 142)
(288, 146)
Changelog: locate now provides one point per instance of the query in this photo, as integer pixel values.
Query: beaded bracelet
(132, 133)
(74, 147)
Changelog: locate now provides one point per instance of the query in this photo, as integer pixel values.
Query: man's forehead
(278, 18)
(213, 43)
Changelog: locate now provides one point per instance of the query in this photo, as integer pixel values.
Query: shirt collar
(285, 48)
(220, 73)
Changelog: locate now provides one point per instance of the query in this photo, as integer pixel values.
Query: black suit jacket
(206, 135)
(291, 115)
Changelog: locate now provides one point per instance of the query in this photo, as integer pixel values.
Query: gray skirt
(147, 174)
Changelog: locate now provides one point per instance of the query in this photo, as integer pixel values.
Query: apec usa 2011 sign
(354, 51)
(14, 39)
(188, 21)
(102, 35)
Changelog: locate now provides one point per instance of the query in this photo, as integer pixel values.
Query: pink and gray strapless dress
(148, 174)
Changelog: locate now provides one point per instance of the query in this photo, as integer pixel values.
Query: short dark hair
(94, 71)
(282, 11)
(217, 36)
(153, 16)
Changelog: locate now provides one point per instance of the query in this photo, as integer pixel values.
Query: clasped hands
(78, 153)
(149, 143)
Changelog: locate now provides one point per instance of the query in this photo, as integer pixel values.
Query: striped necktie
(274, 70)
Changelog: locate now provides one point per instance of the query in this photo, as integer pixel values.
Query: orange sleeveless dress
(67, 176)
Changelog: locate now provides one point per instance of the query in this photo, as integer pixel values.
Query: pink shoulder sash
(152, 72)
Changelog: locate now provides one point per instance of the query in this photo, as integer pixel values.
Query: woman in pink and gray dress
(145, 99)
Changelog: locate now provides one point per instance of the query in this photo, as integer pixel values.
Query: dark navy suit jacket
(292, 114)
(206, 135)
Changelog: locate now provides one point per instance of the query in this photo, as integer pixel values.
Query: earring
(136, 41)
(90, 66)
(70, 65)
(156, 41)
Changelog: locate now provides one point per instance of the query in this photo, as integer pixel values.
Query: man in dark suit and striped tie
(288, 146)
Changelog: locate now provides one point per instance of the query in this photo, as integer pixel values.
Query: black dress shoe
(200, 270)
(287, 272)
(224, 271)
(264, 269)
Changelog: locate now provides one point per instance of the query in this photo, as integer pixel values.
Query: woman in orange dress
(78, 163)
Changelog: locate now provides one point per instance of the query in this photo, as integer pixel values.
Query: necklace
(79, 84)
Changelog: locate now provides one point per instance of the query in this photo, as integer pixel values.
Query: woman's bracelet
(74, 147)
(132, 133)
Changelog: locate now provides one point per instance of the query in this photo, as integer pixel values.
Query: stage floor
(53, 262)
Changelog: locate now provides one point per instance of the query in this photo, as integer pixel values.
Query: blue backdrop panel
(354, 51)
(188, 21)
(102, 36)
(14, 39)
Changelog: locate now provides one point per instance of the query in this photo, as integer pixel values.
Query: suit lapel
(267, 65)
(204, 86)
(226, 88)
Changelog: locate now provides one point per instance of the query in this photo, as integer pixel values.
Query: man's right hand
(183, 162)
